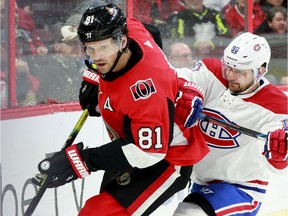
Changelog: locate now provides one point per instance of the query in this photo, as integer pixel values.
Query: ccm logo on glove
(77, 163)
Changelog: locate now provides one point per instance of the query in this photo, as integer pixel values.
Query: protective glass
(235, 75)
(101, 49)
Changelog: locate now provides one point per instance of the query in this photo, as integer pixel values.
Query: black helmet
(99, 23)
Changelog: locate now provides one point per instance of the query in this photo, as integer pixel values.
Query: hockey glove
(189, 103)
(64, 167)
(88, 93)
(276, 146)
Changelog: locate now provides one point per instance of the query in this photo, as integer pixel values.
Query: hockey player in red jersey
(233, 178)
(149, 158)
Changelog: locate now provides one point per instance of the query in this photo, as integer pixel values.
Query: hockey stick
(48, 178)
(232, 126)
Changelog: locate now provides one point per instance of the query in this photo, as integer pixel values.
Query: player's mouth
(100, 65)
(233, 84)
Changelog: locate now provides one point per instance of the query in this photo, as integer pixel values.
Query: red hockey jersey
(139, 107)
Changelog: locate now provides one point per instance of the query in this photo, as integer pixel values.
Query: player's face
(196, 5)
(239, 80)
(103, 53)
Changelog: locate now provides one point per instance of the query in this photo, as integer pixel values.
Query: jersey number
(146, 136)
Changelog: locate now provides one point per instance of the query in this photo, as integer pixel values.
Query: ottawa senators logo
(217, 136)
(143, 89)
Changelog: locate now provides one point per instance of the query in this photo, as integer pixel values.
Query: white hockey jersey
(234, 157)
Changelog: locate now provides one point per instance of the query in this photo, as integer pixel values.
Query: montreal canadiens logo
(217, 136)
(257, 47)
(143, 89)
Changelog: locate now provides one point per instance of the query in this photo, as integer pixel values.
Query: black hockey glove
(64, 166)
(88, 93)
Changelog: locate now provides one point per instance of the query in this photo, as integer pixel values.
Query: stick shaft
(234, 127)
(76, 129)
(48, 178)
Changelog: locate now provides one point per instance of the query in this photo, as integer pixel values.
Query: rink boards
(25, 141)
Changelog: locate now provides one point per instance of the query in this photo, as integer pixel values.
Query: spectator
(216, 5)
(3, 18)
(275, 22)
(28, 28)
(284, 80)
(180, 55)
(200, 22)
(26, 49)
(26, 84)
(61, 70)
(155, 11)
(73, 20)
(164, 9)
(3, 101)
(2, 14)
(25, 93)
(236, 14)
(142, 11)
(228, 6)
(266, 5)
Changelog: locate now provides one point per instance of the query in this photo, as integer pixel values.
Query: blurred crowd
(48, 70)
(48, 60)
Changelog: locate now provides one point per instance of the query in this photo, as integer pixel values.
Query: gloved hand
(64, 166)
(276, 146)
(189, 103)
(88, 93)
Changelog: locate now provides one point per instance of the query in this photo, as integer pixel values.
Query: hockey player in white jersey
(233, 178)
